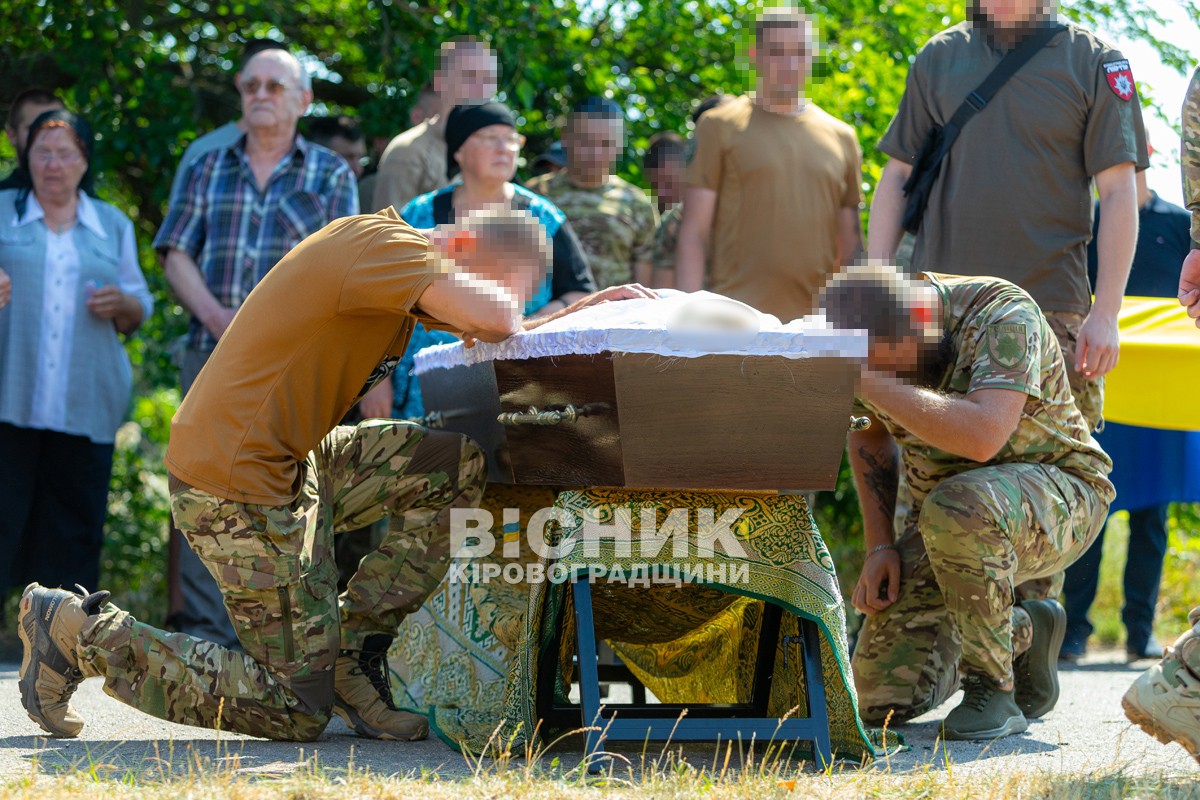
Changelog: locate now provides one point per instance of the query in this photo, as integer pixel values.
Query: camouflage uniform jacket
(1190, 155)
(614, 222)
(666, 236)
(1000, 340)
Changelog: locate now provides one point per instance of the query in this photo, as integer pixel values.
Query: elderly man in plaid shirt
(241, 209)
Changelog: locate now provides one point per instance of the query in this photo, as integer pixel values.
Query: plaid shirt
(235, 233)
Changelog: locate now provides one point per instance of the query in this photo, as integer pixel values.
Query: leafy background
(153, 75)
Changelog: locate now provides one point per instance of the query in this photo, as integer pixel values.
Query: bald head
(286, 60)
(276, 91)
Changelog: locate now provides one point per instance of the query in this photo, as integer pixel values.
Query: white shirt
(63, 297)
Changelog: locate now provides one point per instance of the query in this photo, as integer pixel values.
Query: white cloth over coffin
(653, 326)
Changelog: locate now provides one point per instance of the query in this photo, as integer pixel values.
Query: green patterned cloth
(470, 658)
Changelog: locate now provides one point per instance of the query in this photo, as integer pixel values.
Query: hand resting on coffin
(628, 291)
(611, 294)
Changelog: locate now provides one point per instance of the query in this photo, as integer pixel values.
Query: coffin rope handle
(534, 416)
(860, 423)
(434, 419)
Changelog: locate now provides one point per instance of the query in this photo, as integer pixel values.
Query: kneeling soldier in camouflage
(261, 479)
(997, 480)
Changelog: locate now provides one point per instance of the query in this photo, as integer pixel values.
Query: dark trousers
(1143, 570)
(53, 503)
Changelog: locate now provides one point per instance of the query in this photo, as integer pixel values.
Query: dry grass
(666, 775)
(682, 781)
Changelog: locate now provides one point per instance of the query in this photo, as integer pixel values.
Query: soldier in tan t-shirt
(261, 479)
(415, 161)
(774, 186)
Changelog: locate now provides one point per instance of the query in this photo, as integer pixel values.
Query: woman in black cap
(74, 284)
(482, 144)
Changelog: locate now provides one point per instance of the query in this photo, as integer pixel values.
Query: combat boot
(1165, 700)
(363, 694)
(1035, 672)
(985, 712)
(49, 623)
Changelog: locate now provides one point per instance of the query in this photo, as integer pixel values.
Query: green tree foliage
(152, 75)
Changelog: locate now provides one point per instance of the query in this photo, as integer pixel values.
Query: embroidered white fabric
(677, 325)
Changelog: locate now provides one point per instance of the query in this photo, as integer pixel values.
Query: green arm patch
(1008, 344)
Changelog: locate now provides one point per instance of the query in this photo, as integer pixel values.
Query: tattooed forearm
(881, 477)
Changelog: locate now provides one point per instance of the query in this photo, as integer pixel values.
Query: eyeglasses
(512, 141)
(46, 157)
(274, 88)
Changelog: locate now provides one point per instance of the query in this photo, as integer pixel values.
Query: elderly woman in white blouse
(70, 283)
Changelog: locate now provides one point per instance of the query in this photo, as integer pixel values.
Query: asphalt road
(1086, 732)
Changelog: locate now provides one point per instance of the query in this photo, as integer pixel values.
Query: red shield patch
(1120, 78)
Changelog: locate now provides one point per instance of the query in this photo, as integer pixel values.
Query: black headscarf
(465, 120)
(84, 138)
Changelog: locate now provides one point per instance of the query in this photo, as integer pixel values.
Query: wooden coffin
(639, 420)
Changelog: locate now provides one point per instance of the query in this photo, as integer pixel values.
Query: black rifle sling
(928, 163)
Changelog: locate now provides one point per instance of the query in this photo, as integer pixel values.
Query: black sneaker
(1036, 670)
(985, 712)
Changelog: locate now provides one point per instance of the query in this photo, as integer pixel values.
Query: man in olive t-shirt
(261, 479)
(774, 185)
(1014, 195)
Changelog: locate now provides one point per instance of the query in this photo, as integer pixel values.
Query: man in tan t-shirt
(415, 161)
(774, 186)
(261, 479)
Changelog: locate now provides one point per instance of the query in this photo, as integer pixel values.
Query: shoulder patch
(1120, 78)
(1008, 344)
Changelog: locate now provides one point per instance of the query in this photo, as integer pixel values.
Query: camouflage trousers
(962, 552)
(1089, 397)
(1089, 394)
(275, 568)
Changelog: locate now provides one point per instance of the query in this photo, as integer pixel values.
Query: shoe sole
(362, 728)
(27, 682)
(1013, 725)
(1140, 717)
(1049, 656)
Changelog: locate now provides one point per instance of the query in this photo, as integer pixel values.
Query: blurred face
(29, 112)
(895, 357)
(593, 145)
(272, 96)
(1011, 13)
(518, 273)
(490, 154)
(469, 77)
(666, 181)
(913, 356)
(56, 163)
(783, 58)
(352, 152)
